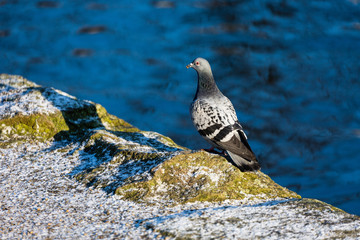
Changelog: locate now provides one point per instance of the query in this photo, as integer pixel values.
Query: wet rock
(92, 29)
(47, 4)
(82, 52)
(4, 33)
(282, 8)
(97, 6)
(273, 74)
(163, 4)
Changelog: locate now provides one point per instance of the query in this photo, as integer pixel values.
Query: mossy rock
(32, 112)
(200, 176)
(115, 158)
(120, 158)
(38, 127)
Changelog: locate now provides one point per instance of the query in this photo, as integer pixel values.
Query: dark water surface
(291, 69)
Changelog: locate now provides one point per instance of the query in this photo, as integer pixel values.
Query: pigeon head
(201, 65)
(206, 83)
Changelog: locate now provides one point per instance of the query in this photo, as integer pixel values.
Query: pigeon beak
(190, 65)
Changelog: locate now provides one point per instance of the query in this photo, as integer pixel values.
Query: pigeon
(214, 117)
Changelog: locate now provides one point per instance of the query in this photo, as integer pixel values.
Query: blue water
(291, 69)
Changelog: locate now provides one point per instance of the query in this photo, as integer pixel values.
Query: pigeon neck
(206, 85)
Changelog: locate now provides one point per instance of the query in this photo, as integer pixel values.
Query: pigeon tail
(243, 164)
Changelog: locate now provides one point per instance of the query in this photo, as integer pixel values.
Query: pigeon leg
(211, 150)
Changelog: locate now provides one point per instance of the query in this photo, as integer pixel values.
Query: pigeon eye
(197, 63)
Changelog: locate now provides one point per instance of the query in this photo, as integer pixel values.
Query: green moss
(112, 122)
(41, 127)
(200, 176)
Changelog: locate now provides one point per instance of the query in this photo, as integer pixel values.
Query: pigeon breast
(214, 118)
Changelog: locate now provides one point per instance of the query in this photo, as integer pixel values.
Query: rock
(200, 176)
(30, 112)
(60, 153)
(144, 166)
(298, 219)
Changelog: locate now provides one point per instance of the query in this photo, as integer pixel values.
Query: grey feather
(215, 119)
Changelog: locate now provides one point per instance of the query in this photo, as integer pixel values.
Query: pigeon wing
(237, 144)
